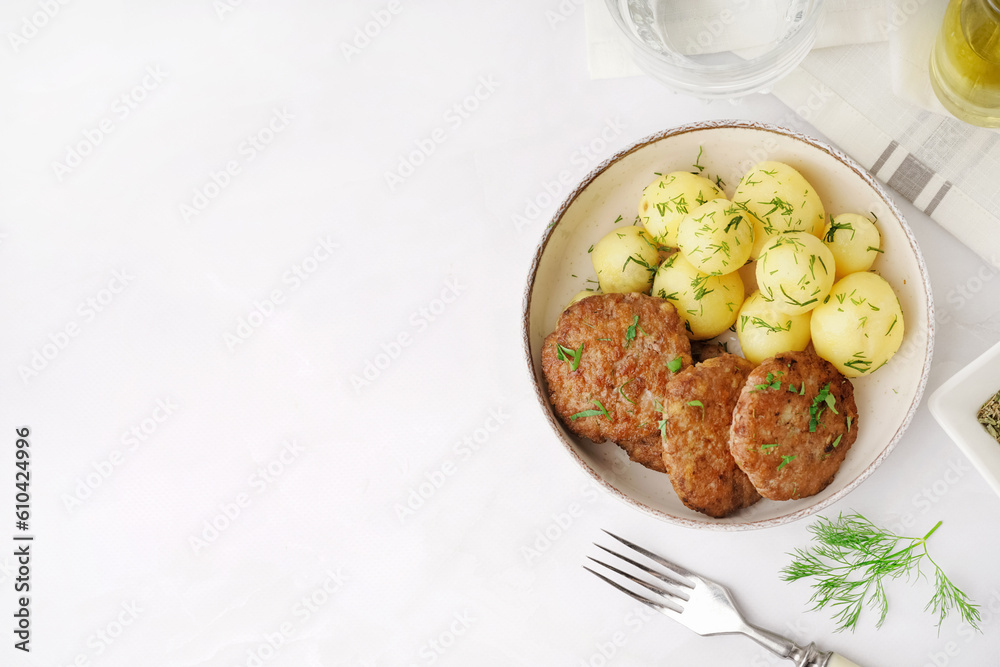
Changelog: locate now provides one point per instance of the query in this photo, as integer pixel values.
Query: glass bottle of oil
(965, 63)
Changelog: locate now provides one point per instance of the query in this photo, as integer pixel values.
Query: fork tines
(670, 590)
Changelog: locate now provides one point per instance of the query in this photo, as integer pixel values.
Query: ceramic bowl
(561, 267)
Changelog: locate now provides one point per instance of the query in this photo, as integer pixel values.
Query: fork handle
(837, 660)
(809, 656)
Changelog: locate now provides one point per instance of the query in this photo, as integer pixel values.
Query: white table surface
(165, 359)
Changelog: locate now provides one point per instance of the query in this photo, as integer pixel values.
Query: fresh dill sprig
(852, 561)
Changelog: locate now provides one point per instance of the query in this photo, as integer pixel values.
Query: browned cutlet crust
(696, 450)
(703, 350)
(628, 375)
(771, 440)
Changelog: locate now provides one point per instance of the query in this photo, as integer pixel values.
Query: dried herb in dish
(989, 416)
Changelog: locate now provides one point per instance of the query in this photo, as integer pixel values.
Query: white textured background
(122, 309)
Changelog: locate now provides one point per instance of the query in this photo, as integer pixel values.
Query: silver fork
(706, 607)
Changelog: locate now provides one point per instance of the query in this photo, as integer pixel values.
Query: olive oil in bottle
(965, 63)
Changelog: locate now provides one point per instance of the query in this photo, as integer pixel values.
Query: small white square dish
(955, 405)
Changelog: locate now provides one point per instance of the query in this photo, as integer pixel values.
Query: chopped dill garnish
(836, 227)
(630, 331)
(592, 413)
(823, 400)
(793, 301)
(771, 328)
(564, 353)
(621, 390)
(696, 165)
(663, 422)
(770, 382)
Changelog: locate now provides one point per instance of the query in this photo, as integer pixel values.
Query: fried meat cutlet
(698, 410)
(793, 424)
(607, 363)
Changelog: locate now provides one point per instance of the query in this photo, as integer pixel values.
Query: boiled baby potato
(581, 295)
(782, 200)
(795, 272)
(854, 241)
(707, 304)
(716, 237)
(625, 261)
(860, 326)
(668, 199)
(765, 331)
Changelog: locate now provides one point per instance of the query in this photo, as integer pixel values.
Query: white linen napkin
(865, 86)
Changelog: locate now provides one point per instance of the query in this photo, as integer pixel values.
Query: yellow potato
(854, 241)
(625, 261)
(860, 326)
(716, 237)
(782, 200)
(795, 272)
(707, 305)
(581, 295)
(668, 199)
(764, 331)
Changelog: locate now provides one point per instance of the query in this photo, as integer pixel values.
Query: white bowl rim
(546, 406)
